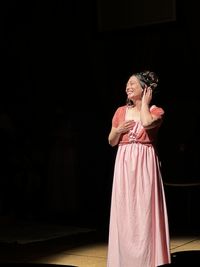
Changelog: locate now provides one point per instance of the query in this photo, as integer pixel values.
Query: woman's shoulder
(157, 110)
(120, 110)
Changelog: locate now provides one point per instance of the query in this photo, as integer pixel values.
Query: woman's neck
(137, 104)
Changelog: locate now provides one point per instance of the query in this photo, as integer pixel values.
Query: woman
(138, 232)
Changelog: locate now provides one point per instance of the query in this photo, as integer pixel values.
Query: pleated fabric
(138, 232)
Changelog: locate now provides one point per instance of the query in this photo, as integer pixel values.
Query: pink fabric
(138, 234)
(143, 136)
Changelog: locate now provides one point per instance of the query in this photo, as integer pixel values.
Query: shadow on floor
(25, 247)
(188, 258)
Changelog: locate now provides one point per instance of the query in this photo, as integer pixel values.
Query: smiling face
(134, 89)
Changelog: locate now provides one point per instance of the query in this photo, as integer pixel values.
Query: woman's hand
(115, 133)
(125, 126)
(147, 96)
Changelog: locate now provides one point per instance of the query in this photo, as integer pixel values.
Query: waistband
(135, 142)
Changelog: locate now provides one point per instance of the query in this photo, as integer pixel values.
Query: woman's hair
(146, 78)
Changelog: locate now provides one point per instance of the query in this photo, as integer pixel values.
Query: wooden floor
(82, 250)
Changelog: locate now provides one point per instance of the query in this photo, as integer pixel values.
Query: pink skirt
(138, 233)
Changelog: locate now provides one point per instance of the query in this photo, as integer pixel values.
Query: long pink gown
(138, 232)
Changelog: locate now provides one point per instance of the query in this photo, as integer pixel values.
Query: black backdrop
(62, 77)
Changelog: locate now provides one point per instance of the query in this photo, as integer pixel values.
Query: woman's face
(133, 88)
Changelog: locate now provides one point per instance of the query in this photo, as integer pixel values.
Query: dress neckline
(126, 108)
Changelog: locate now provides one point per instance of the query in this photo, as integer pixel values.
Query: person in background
(138, 226)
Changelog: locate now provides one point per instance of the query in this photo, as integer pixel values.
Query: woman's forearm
(114, 136)
(145, 116)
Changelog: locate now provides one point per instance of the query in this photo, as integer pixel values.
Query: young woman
(138, 233)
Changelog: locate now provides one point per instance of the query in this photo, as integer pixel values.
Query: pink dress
(138, 232)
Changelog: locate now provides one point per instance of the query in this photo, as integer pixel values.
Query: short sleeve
(157, 111)
(117, 117)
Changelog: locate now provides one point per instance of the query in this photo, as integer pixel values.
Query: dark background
(64, 65)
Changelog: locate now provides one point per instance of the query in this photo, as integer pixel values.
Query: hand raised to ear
(147, 95)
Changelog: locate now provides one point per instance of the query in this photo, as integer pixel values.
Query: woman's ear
(144, 87)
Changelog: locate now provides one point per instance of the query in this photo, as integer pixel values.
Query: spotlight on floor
(24, 264)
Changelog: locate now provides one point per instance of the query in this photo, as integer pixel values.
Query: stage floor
(80, 247)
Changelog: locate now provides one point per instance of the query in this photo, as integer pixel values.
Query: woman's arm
(148, 119)
(114, 136)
